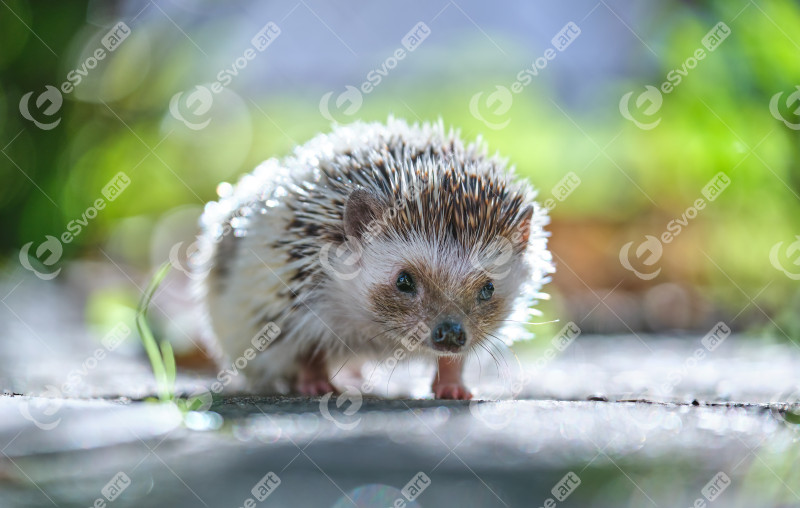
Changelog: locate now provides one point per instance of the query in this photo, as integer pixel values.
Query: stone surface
(612, 421)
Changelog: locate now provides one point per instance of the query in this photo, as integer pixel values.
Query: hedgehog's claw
(315, 387)
(453, 391)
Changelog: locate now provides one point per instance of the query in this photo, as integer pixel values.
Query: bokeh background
(565, 121)
(620, 163)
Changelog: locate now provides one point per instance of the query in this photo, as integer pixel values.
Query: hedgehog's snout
(449, 336)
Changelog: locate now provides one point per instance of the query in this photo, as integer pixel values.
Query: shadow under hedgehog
(362, 237)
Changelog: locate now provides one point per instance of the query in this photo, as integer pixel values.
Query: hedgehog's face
(432, 295)
(447, 307)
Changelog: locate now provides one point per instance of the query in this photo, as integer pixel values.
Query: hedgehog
(372, 241)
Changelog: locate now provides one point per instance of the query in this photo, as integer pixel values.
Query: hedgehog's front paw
(314, 387)
(454, 391)
(447, 384)
(312, 379)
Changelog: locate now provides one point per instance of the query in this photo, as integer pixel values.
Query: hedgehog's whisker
(506, 372)
(532, 322)
(339, 369)
(496, 363)
(390, 376)
(480, 366)
(381, 333)
(493, 336)
(390, 344)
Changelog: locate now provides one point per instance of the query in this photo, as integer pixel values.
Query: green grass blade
(157, 361)
(170, 370)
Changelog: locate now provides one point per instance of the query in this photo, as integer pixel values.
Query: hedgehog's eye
(405, 283)
(486, 291)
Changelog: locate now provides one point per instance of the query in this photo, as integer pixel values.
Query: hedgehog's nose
(448, 335)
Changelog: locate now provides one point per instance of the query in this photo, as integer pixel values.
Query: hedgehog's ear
(361, 209)
(523, 230)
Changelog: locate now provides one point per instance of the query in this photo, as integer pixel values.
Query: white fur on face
(443, 296)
